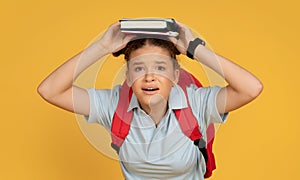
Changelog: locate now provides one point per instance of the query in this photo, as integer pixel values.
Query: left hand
(185, 36)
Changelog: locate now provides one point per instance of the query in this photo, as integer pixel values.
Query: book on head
(154, 26)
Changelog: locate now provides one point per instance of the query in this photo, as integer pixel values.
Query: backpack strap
(189, 124)
(210, 160)
(185, 117)
(122, 118)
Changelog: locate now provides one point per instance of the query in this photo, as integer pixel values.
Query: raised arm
(58, 88)
(242, 87)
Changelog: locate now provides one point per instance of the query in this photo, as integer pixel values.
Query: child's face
(151, 74)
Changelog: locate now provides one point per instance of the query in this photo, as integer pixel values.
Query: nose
(149, 77)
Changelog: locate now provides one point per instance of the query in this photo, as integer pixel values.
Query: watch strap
(192, 46)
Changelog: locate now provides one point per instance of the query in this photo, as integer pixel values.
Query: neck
(156, 111)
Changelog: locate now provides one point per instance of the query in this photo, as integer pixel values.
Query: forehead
(150, 59)
(149, 50)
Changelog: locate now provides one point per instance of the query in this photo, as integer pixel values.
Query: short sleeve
(203, 104)
(211, 113)
(103, 103)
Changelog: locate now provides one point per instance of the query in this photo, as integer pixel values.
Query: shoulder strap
(187, 121)
(122, 118)
(189, 125)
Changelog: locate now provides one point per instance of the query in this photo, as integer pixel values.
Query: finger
(115, 27)
(124, 39)
(129, 37)
(116, 24)
(174, 40)
(181, 25)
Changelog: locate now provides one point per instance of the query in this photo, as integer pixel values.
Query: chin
(156, 99)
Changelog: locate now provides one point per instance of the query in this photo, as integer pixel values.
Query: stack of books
(153, 26)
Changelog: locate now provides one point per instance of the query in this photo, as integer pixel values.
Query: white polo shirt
(162, 151)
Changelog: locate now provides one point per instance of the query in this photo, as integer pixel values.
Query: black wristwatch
(192, 46)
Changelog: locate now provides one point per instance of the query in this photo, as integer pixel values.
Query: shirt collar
(177, 99)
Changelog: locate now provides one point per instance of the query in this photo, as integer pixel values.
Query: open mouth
(150, 89)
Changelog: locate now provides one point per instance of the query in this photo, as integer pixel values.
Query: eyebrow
(137, 63)
(156, 62)
(160, 62)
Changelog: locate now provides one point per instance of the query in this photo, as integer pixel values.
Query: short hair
(160, 42)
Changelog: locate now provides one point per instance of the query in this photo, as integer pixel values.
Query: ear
(128, 79)
(176, 76)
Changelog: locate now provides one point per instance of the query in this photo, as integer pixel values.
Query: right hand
(113, 39)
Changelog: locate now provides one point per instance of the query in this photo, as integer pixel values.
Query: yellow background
(40, 141)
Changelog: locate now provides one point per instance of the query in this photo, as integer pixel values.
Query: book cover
(155, 26)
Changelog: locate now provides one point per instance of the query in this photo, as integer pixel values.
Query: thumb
(173, 40)
(124, 41)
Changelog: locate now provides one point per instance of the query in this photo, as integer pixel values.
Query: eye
(138, 69)
(160, 68)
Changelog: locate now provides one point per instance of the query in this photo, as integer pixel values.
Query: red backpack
(188, 123)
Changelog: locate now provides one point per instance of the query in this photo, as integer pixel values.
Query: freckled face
(151, 74)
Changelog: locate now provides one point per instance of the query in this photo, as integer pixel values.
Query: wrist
(192, 47)
(101, 46)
